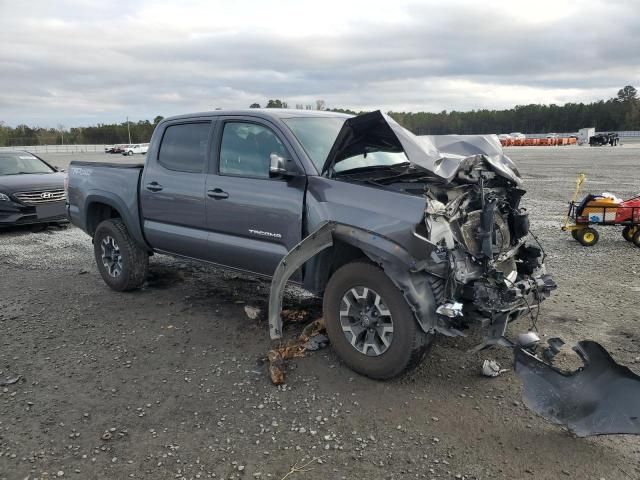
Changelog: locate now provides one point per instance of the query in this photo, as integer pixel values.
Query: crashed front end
(484, 269)
(469, 263)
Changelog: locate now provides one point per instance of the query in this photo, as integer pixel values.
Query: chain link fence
(57, 148)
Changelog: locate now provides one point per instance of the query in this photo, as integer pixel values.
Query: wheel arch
(104, 206)
(410, 276)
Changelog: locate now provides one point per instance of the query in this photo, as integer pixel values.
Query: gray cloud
(76, 62)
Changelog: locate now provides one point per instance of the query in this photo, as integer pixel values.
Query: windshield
(317, 135)
(22, 163)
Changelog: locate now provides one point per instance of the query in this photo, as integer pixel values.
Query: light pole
(128, 131)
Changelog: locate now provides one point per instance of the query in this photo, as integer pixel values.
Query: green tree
(254, 105)
(158, 119)
(627, 94)
(276, 104)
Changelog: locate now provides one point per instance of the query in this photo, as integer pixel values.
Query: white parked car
(137, 148)
(518, 135)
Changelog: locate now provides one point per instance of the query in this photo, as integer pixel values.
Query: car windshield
(317, 135)
(22, 163)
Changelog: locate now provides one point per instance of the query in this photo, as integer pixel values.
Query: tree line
(621, 112)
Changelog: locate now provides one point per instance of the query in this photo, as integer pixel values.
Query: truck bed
(116, 185)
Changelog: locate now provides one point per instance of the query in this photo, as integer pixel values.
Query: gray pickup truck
(404, 236)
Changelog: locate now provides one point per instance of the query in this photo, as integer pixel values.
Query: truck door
(253, 220)
(172, 193)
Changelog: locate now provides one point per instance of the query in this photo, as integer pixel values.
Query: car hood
(31, 181)
(442, 155)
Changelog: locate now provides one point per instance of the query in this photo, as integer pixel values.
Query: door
(172, 194)
(254, 220)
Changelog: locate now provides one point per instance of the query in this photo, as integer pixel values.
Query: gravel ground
(169, 381)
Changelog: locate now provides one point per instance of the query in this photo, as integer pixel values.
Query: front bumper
(494, 305)
(600, 398)
(13, 213)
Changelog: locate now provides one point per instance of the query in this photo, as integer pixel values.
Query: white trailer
(584, 134)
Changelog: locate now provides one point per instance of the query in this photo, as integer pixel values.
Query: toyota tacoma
(405, 237)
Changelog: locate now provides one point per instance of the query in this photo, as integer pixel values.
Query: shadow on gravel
(50, 228)
(161, 277)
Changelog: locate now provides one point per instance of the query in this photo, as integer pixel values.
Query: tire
(129, 270)
(636, 239)
(574, 234)
(407, 343)
(588, 237)
(628, 232)
(129, 153)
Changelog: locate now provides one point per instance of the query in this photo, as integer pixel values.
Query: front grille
(40, 197)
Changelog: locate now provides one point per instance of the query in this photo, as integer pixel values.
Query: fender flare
(402, 268)
(131, 221)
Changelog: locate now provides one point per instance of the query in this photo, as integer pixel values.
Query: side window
(184, 147)
(246, 149)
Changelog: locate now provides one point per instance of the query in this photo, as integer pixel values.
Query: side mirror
(278, 166)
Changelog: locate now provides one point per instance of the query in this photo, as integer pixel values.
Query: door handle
(153, 187)
(217, 193)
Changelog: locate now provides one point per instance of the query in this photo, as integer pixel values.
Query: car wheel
(588, 236)
(129, 153)
(370, 324)
(122, 264)
(628, 232)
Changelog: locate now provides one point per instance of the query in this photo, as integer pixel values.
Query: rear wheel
(122, 264)
(588, 236)
(574, 234)
(628, 232)
(636, 239)
(370, 324)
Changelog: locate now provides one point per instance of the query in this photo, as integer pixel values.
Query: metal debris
(491, 368)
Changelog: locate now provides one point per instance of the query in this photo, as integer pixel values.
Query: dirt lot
(168, 382)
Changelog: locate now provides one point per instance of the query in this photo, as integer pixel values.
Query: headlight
(4, 198)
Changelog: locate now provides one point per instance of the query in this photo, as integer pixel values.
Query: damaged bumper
(600, 398)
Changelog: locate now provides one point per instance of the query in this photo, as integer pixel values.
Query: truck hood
(442, 155)
(32, 181)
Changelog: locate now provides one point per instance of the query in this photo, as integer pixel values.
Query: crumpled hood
(33, 181)
(438, 154)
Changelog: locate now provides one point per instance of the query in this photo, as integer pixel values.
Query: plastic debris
(451, 310)
(491, 368)
(10, 381)
(316, 342)
(252, 312)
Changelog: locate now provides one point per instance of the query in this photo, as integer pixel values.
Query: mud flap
(600, 398)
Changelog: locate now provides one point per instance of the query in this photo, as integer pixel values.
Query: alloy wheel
(366, 321)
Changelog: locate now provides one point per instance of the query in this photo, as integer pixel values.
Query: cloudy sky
(82, 62)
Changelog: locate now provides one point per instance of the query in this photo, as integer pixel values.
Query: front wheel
(588, 236)
(122, 264)
(370, 324)
(636, 238)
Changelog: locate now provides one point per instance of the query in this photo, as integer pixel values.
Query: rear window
(184, 147)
